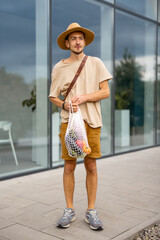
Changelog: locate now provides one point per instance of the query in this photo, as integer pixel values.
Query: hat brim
(89, 36)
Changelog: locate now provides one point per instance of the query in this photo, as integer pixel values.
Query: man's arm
(103, 93)
(56, 101)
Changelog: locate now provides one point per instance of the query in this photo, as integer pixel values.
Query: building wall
(127, 39)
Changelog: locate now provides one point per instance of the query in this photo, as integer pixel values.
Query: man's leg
(69, 182)
(91, 181)
(91, 185)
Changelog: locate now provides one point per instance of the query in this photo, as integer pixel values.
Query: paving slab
(39, 208)
(5, 223)
(22, 187)
(3, 238)
(38, 221)
(19, 232)
(128, 200)
(2, 206)
(17, 202)
(133, 232)
(76, 233)
(10, 212)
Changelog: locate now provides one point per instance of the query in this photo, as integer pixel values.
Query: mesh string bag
(76, 137)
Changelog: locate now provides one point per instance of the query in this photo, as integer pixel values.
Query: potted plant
(55, 132)
(129, 89)
(122, 119)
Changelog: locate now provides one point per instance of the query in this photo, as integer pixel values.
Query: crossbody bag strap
(76, 76)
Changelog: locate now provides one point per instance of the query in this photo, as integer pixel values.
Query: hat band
(66, 38)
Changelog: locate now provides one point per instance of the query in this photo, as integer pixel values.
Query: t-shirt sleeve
(103, 72)
(55, 87)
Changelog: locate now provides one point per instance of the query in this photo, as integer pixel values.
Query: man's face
(76, 42)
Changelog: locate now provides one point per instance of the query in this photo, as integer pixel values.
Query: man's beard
(77, 53)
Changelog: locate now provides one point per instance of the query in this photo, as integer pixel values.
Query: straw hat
(75, 27)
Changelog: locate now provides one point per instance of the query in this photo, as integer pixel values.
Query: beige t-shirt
(93, 73)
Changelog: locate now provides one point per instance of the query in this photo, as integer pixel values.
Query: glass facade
(158, 3)
(23, 86)
(111, 1)
(126, 40)
(158, 90)
(147, 8)
(135, 76)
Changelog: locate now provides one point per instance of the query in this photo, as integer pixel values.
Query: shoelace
(95, 216)
(66, 213)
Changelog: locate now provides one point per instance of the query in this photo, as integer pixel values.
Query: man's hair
(66, 38)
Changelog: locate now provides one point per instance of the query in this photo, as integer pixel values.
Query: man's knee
(69, 166)
(90, 165)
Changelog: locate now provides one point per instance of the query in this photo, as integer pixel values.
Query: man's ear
(67, 43)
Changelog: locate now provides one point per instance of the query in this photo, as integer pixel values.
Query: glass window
(147, 8)
(99, 19)
(135, 78)
(159, 10)
(158, 89)
(111, 1)
(23, 81)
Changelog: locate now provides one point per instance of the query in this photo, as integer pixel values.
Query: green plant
(31, 101)
(122, 99)
(129, 91)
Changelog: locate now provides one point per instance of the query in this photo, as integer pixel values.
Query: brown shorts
(93, 135)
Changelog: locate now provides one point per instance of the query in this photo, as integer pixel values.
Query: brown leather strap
(76, 76)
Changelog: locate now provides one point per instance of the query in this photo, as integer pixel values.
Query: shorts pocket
(95, 145)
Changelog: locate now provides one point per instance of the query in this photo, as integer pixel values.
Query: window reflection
(111, 1)
(135, 77)
(159, 10)
(158, 90)
(23, 65)
(146, 8)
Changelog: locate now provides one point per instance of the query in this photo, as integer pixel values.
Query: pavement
(128, 200)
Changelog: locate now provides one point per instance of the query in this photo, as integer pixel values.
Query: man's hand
(74, 106)
(102, 93)
(92, 97)
(78, 99)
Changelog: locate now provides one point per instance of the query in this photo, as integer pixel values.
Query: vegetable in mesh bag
(76, 138)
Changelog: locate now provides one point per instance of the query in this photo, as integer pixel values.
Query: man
(90, 87)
